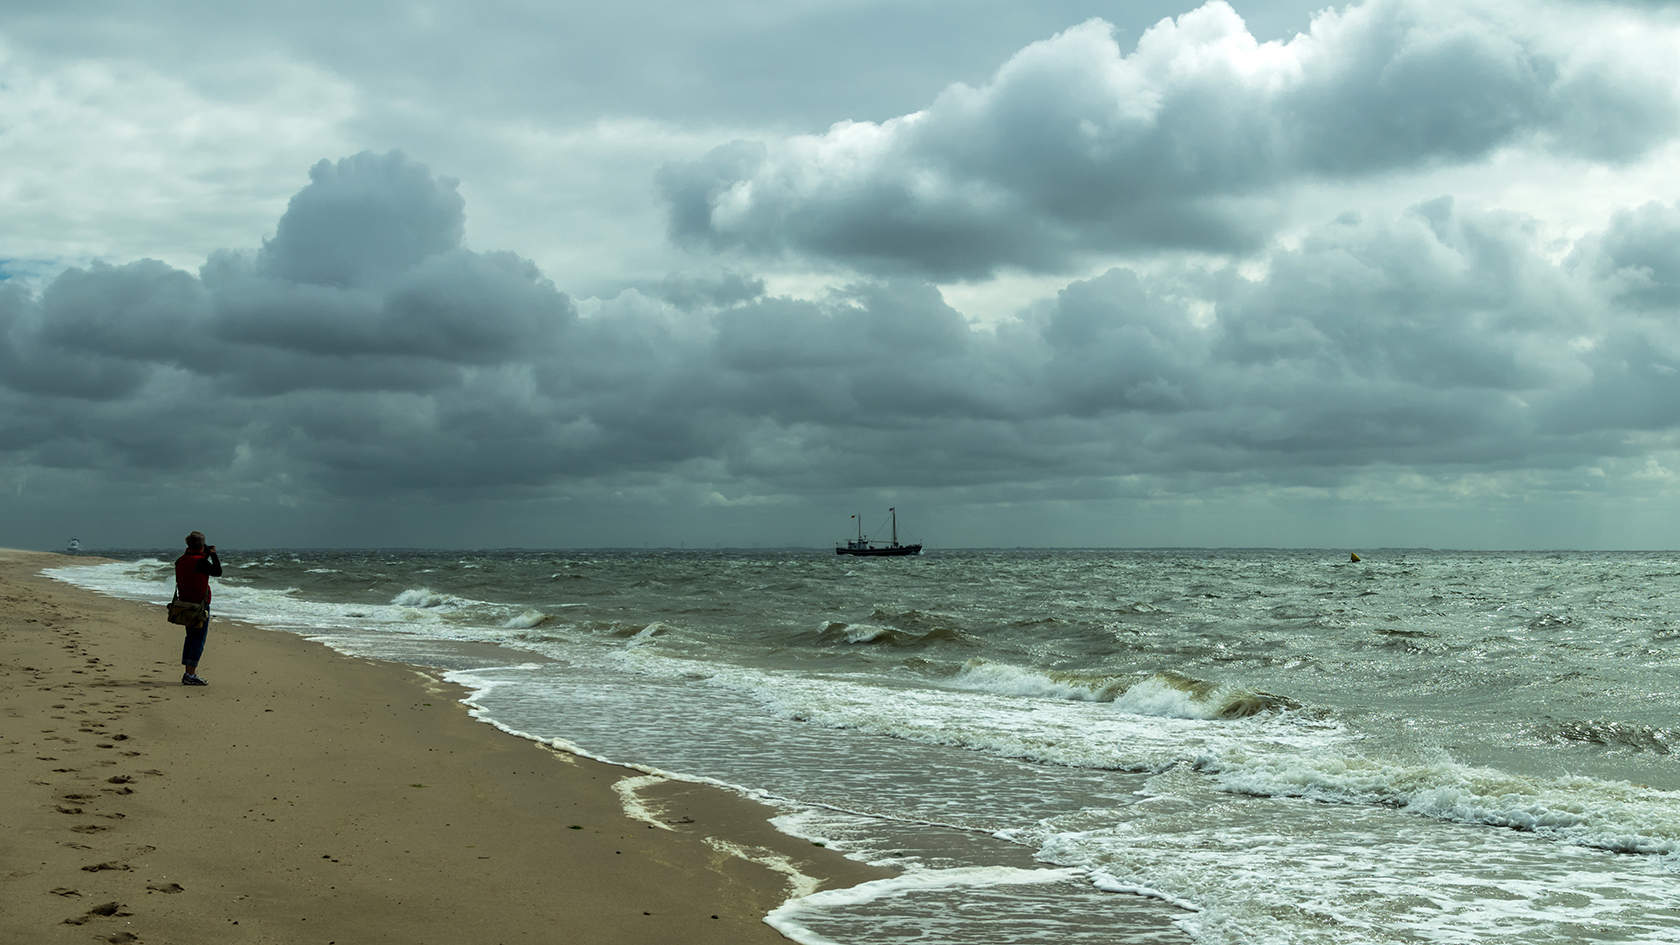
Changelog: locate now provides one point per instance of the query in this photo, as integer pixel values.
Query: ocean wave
(641, 632)
(424, 598)
(282, 606)
(1612, 735)
(915, 621)
(1005, 679)
(1257, 873)
(833, 909)
(1410, 642)
(1175, 695)
(1137, 607)
(1074, 733)
(835, 632)
(526, 620)
(1164, 694)
(870, 633)
(1609, 815)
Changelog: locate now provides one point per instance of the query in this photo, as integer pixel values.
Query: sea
(1085, 746)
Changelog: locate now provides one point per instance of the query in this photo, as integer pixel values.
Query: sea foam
(1163, 694)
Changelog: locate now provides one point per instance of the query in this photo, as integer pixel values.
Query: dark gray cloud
(362, 222)
(377, 360)
(1440, 340)
(1641, 251)
(1075, 148)
(1443, 340)
(691, 290)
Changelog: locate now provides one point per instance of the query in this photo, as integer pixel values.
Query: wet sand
(306, 796)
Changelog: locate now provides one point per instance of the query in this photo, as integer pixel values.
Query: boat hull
(891, 550)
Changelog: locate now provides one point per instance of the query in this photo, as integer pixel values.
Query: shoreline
(306, 795)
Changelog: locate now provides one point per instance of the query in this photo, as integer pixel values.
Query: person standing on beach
(193, 571)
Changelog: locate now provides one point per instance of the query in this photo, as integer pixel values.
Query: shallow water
(1272, 746)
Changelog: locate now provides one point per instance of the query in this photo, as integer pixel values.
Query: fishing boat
(867, 546)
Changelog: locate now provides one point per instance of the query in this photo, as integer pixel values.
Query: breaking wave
(1165, 694)
(871, 633)
(526, 620)
(423, 598)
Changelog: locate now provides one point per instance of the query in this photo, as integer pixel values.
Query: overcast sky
(514, 274)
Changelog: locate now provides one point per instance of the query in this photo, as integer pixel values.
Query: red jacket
(192, 575)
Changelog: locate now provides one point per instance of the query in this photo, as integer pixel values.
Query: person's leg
(191, 650)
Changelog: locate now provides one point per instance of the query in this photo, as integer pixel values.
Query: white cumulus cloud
(1190, 140)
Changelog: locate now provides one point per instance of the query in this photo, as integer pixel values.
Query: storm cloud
(398, 361)
(1411, 272)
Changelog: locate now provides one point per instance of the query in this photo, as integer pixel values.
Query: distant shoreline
(829, 549)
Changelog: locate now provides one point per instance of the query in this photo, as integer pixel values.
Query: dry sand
(305, 796)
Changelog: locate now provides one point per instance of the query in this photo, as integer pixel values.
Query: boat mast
(894, 512)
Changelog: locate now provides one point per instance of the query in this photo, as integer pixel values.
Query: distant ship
(865, 546)
(75, 546)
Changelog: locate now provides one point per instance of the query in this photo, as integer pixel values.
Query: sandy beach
(305, 796)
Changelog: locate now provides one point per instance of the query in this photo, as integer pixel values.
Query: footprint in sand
(102, 867)
(99, 911)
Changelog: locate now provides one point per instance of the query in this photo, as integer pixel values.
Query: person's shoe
(192, 679)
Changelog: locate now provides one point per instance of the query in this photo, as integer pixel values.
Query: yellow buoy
(1353, 556)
